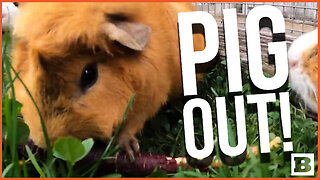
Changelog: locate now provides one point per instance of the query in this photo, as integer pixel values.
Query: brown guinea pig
(83, 61)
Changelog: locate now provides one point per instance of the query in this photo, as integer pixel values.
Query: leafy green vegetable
(71, 149)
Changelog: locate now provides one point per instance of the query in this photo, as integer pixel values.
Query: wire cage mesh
(300, 17)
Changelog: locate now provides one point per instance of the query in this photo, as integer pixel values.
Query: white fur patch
(9, 12)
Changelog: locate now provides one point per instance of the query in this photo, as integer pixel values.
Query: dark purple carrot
(144, 163)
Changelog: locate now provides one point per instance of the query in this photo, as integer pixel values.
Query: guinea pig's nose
(293, 64)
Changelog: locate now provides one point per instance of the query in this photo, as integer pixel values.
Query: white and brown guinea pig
(83, 61)
(303, 68)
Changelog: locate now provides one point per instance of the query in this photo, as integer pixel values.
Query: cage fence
(300, 17)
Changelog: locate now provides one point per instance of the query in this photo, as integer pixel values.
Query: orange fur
(52, 48)
(310, 66)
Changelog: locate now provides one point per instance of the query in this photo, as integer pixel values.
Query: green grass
(167, 129)
(163, 134)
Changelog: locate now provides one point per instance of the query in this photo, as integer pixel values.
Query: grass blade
(114, 137)
(12, 118)
(34, 162)
(24, 167)
(45, 133)
(7, 169)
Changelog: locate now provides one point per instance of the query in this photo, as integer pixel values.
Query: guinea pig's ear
(133, 35)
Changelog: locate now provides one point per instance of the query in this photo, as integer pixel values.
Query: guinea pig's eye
(89, 76)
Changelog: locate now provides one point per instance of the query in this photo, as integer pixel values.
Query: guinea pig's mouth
(299, 102)
(313, 95)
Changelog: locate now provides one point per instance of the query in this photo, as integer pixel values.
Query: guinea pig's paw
(129, 144)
